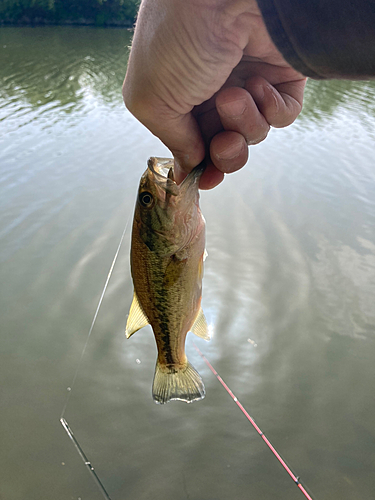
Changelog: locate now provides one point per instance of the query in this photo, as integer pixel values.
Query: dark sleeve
(324, 38)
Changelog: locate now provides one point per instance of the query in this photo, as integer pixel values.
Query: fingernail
(260, 92)
(230, 152)
(233, 108)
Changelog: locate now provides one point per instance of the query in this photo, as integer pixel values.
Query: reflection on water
(324, 97)
(66, 71)
(291, 268)
(346, 278)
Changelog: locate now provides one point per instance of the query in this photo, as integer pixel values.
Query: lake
(289, 289)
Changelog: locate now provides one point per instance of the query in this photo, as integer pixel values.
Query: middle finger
(239, 113)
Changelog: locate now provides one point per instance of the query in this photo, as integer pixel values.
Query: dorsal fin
(136, 319)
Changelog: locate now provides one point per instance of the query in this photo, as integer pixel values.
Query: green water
(291, 268)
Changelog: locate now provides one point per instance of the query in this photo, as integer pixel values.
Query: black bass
(167, 254)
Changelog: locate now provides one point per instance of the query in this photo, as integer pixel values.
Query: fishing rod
(79, 449)
(295, 478)
(63, 422)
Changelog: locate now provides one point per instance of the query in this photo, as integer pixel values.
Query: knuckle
(287, 113)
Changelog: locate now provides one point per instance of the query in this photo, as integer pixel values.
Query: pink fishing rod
(295, 478)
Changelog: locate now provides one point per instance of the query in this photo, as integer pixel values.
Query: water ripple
(60, 80)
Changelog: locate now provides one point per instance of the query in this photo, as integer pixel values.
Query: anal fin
(200, 327)
(136, 319)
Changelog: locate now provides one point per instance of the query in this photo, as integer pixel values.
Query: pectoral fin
(136, 319)
(200, 327)
(200, 266)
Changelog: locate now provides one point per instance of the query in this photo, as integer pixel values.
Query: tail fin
(183, 383)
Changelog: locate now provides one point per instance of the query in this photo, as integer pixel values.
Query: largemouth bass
(167, 254)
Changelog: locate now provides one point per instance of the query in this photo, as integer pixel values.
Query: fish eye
(146, 199)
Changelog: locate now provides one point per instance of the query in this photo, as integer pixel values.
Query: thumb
(179, 132)
(182, 136)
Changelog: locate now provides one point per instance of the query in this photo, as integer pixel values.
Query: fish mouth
(163, 173)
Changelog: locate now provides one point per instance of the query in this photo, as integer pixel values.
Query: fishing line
(79, 449)
(70, 388)
(295, 478)
(63, 422)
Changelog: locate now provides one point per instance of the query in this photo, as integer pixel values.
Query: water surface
(291, 268)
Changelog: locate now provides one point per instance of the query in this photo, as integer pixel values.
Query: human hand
(204, 76)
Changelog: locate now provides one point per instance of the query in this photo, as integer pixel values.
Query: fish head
(167, 214)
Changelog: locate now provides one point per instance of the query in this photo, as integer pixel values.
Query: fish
(167, 255)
